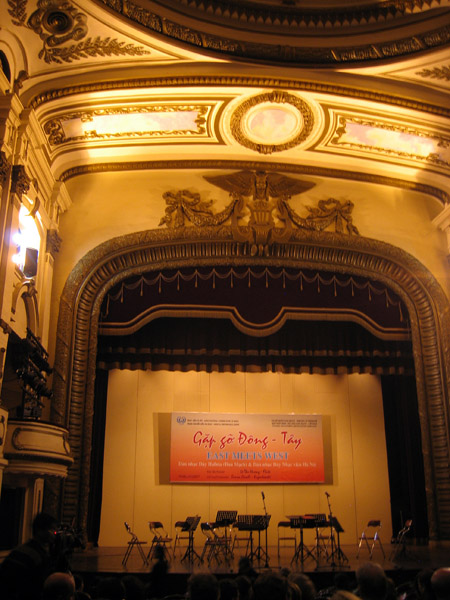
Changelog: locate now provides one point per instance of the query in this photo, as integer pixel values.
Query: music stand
(336, 548)
(190, 554)
(320, 521)
(244, 523)
(224, 519)
(259, 523)
(302, 551)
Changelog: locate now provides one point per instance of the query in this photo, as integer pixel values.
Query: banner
(246, 448)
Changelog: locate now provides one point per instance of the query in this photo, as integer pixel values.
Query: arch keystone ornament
(216, 245)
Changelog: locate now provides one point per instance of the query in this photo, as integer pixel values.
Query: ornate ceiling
(292, 31)
(354, 92)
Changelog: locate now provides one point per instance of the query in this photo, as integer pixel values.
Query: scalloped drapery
(203, 344)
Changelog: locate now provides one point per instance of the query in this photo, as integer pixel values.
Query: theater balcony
(36, 448)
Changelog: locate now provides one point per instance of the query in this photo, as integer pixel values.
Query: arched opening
(133, 255)
(5, 66)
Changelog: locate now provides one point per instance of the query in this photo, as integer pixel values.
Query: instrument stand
(336, 555)
(260, 522)
(302, 551)
(339, 554)
(267, 519)
(332, 554)
(190, 553)
(319, 521)
(226, 518)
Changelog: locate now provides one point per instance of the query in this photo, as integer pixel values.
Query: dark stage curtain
(404, 450)
(98, 444)
(184, 344)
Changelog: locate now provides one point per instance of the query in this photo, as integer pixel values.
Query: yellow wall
(112, 205)
(139, 402)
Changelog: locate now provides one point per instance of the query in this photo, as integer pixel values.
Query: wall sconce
(27, 241)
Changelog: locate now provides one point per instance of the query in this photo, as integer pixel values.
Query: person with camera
(24, 570)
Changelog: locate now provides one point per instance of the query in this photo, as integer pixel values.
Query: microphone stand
(332, 540)
(336, 551)
(266, 527)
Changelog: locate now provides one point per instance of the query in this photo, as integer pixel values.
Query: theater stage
(402, 568)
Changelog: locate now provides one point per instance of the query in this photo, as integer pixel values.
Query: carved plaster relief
(272, 122)
(59, 23)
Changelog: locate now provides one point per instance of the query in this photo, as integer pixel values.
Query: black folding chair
(135, 542)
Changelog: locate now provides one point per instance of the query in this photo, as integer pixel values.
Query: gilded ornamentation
(18, 10)
(436, 73)
(20, 181)
(54, 129)
(18, 82)
(236, 80)
(327, 213)
(184, 204)
(291, 14)
(259, 204)
(297, 24)
(58, 22)
(137, 14)
(94, 47)
(238, 121)
(5, 166)
(53, 242)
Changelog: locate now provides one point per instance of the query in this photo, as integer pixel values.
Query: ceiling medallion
(272, 122)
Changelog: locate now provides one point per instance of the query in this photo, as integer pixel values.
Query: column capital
(20, 181)
(53, 242)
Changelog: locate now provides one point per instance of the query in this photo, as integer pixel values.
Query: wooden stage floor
(108, 561)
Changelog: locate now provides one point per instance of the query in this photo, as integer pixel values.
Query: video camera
(67, 539)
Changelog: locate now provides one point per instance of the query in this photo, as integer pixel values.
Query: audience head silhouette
(202, 586)
(440, 583)
(270, 586)
(59, 586)
(372, 581)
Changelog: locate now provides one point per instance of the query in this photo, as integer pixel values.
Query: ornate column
(52, 245)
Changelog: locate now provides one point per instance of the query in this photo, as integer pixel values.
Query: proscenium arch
(153, 250)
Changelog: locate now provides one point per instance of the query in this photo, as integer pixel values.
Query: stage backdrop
(136, 478)
(246, 448)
